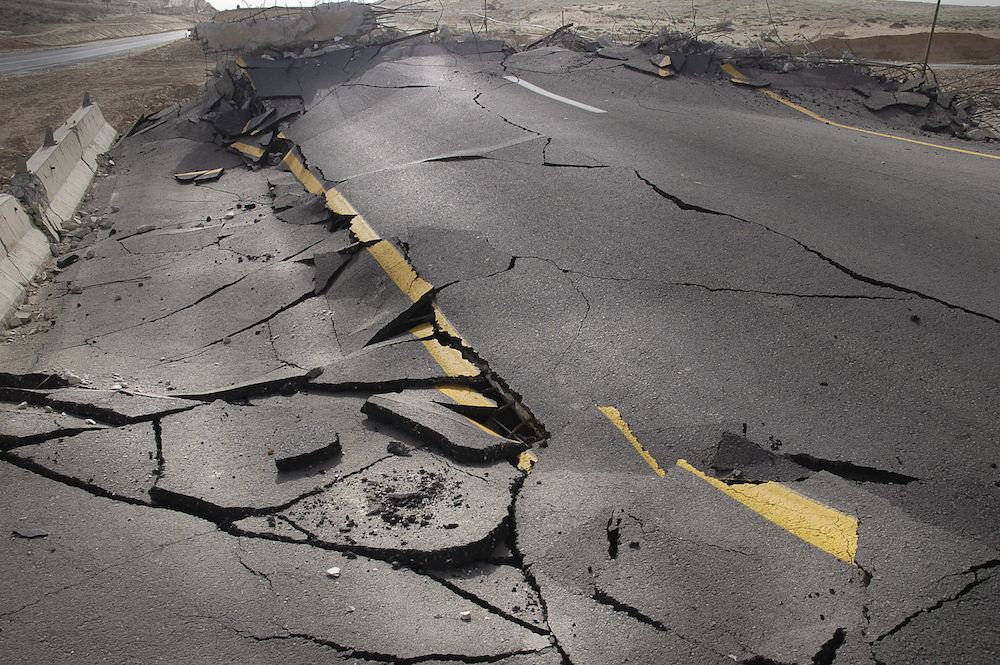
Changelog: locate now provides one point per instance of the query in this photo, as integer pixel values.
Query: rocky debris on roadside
(940, 111)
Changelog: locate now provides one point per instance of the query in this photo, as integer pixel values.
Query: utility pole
(930, 37)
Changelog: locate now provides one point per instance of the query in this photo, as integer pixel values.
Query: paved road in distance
(24, 62)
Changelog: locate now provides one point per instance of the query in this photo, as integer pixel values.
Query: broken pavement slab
(256, 600)
(120, 462)
(706, 555)
(374, 607)
(369, 306)
(739, 459)
(880, 99)
(305, 446)
(26, 424)
(420, 508)
(218, 459)
(118, 407)
(392, 365)
(914, 568)
(454, 435)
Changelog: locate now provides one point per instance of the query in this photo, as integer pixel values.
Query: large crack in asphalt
(976, 580)
(853, 274)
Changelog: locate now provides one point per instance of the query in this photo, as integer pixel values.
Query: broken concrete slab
(267, 291)
(622, 53)
(455, 435)
(796, 597)
(420, 508)
(114, 406)
(238, 438)
(881, 99)
(219, 459)
(120, 462)
(96, 552)
(27, 424)
(302, 209)
(912, 565)
(395, 364)
(369, 305)
(504, 588)
(327, 264)
(305, 446)
(912, 99)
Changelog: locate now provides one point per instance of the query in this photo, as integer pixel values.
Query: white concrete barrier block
(23, 251)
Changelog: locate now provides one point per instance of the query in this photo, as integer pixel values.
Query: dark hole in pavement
(850, 471)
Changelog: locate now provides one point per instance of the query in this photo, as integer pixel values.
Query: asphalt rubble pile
(885, 86)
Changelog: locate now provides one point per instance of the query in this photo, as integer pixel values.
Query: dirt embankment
(960, 48)
(124, 88)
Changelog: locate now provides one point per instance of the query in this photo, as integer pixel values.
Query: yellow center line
(405, 277)
(251, 150)
(616, 418)
(819, 525)
(308, 180)
(449, 358)
(732, 71)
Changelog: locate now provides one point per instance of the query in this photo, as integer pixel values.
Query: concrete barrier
(24, 249)
(66, 169)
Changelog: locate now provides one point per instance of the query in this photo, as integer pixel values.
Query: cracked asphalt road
(800, 311)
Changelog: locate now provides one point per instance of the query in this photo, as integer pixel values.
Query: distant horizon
(221, 5)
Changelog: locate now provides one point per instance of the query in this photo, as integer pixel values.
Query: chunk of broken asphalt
(880, 99)
(453, 434)
(738, 458)
(327, 265)
(308, 209)
(305, 447)
(398, 448)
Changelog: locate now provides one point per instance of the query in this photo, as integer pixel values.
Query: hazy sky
(230, 4)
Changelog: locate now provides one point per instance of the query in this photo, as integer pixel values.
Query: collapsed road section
(232, 349)
(260, 394)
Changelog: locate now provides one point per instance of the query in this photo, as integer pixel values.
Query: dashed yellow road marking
(405, 277)
(732, 71)
(819, 525)
(449, 358)
(616, 418)
(467, 396)
(251, 150)
(305, 176)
